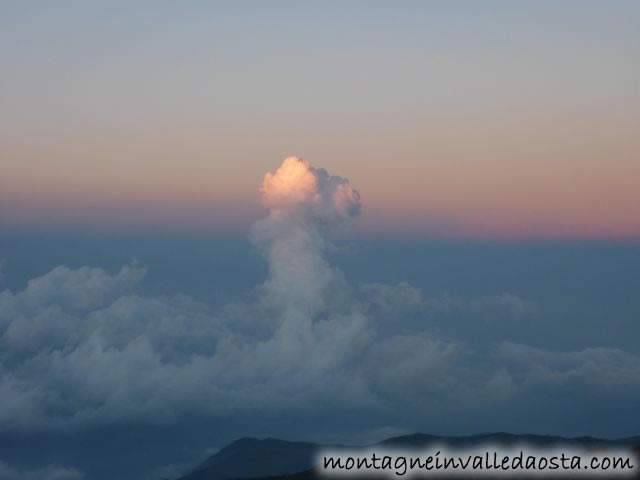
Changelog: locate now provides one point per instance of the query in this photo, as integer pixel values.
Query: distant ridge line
(273, 458)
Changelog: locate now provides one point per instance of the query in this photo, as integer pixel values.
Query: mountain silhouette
(273, 459)
(253, 458)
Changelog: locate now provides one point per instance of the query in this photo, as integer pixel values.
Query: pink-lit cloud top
(482, 121)
(296, 184)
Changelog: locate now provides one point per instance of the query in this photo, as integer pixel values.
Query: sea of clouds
(82, 348)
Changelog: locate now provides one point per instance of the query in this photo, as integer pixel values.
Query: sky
(333, 221)
(492, 119)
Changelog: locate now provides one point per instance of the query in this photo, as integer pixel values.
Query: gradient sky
(451, 118)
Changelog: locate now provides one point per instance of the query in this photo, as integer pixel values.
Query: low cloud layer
(51, 472)
(81, 347)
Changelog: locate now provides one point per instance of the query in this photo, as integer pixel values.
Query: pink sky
(503, 122)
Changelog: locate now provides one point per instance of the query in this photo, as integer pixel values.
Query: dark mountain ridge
(251, 458)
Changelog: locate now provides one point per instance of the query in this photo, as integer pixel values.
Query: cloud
(81, 347)
(169, 471)
(51, 472)
(403, 297)
(393, 298)
(305, 205)
(50, 312)
(591, 368)
(298, 189)
(515, 307)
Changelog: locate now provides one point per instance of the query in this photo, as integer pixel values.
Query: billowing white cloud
(305, 204)
(298, 189)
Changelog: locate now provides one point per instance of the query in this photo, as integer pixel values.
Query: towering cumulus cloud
(304, 204)
(311, 328)
(298, 189)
